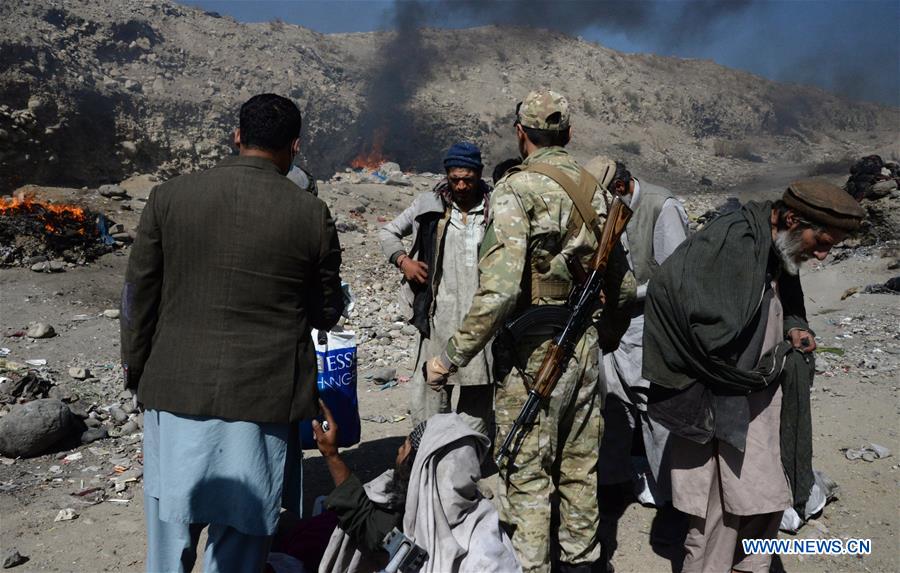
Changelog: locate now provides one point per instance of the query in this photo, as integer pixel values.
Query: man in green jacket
(230, 269)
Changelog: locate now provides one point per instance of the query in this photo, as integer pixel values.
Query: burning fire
(55, 218)
(374, 158)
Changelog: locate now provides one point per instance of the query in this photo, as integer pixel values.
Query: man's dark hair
(504, 166)
(547, 137)
(622, 174)
(269, 121)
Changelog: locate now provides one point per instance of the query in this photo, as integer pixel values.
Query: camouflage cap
(544, 109)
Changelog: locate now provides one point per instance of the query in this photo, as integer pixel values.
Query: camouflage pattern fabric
(529, 216)
(544, 109)
(563, 446)
(530, 213)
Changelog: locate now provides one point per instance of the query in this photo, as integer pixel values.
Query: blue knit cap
(464, 154)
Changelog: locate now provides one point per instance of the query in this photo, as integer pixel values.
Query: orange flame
(53, 216)
(374, 158)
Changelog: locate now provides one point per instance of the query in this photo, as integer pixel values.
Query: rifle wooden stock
(550, 370)
(563, 346)
(619, 215)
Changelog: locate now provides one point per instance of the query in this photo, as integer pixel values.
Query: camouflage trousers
(559, 455)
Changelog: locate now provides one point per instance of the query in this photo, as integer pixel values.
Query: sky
(851, 47)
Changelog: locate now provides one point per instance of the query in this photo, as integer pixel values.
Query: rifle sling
(581, 194)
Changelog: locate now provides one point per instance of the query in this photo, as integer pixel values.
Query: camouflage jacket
(529, 216)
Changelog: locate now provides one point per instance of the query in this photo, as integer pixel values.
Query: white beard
(790, 251)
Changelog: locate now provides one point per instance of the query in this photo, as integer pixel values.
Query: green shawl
(701, 309)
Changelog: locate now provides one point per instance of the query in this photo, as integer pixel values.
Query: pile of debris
(34, 233)
(386, 173)
(872, 178)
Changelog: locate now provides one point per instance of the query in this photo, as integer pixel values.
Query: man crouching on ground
(431, 496)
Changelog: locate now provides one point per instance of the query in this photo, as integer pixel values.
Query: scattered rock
(117, 414)
(67, 514)
(112, 190)
(129, 428)
(12, 558)
(111, 313)
(40, 330)
(93, 434)
(30, 429)
(79, 373)
(380, 375)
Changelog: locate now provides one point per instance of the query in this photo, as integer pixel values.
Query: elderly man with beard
(728, 352)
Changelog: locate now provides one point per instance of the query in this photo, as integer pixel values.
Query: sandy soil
(854, 403)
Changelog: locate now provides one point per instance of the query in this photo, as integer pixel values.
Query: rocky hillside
(93, 92)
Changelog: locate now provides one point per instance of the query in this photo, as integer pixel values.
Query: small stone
(67, 514)
(57, 267)
(12, 558)
(129, 428)
(79, 373)
(92, 423)
(112, 190)
(40, 267)
(62, 394)
(380, 375)
(111, 313)
(117, 414)
(40, 330)
(93, 434)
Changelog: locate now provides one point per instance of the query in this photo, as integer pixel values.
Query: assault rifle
(582, 302)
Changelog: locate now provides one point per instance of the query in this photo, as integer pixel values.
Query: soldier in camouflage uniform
(522, 264)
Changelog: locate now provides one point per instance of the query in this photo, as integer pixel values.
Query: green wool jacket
(229, 270)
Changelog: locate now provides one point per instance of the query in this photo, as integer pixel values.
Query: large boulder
(32, 428)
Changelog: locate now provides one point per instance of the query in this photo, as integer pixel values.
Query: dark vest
(640, 229)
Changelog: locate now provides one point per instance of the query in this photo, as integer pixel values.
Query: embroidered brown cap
(823, 203)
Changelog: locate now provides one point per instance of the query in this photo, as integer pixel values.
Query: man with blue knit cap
(440, 277)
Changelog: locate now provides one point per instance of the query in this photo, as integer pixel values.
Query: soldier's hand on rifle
(413, 270)
(436, 373)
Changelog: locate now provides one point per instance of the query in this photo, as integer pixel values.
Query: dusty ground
(855, 400)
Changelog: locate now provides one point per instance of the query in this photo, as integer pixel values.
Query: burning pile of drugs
(32, 230)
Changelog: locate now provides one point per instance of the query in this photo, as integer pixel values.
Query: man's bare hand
(326, 433)
(802, 340)
(414, 271)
